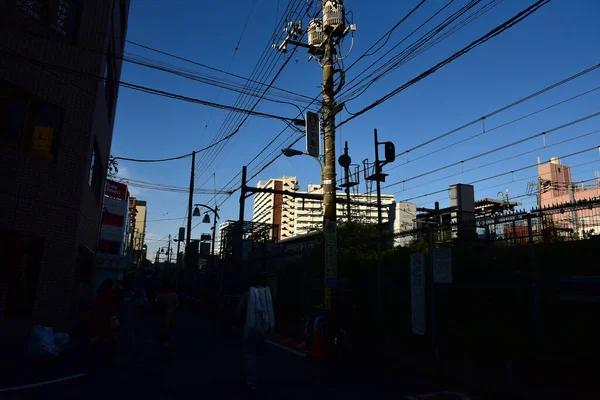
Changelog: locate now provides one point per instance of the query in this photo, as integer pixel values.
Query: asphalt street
(206, 361)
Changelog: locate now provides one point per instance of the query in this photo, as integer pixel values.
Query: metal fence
(557, 223)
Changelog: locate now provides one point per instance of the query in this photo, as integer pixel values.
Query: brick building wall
(53, 200)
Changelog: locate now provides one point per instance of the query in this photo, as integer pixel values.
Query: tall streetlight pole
(215, 211)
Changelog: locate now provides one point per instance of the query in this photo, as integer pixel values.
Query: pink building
(556, 187)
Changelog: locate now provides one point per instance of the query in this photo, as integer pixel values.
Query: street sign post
(313, 130)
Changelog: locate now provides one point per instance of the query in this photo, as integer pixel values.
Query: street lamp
(289, 152)
(206, 220)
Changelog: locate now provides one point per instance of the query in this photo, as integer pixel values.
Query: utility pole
(345, 161)
(190, 201)
(169, 251)
(324, 34)
(574, 212)
(378, 176)
(240, 227)
(379, 226)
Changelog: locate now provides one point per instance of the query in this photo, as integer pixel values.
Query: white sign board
(442, 266)
(313, 138)
(417, 293)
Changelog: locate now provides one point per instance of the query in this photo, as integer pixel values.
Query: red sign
(116, 190)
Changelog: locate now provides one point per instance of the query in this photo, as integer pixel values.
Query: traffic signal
(390, 152)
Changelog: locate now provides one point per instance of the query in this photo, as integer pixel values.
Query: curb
(291, 345)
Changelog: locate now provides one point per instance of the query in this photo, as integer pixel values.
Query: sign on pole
(417, 292)
(442, 266)
(331, 273)
(181, 235)
(313, 138)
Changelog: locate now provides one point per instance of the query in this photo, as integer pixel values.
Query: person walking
(256, 310)
(167, 304)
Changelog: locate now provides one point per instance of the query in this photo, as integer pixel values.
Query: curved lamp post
(288, 152)
(206, 220)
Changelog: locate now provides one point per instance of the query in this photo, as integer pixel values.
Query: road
(206, 361)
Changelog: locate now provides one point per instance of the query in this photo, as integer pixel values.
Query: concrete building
(403, 218)
(276, 209)
(557, 187)
(223, 227)
(111, 261)
(56, 127)
(137, 236)
(294, 216)
(309, 213)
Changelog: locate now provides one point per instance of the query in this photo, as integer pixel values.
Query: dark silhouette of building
(59, 74)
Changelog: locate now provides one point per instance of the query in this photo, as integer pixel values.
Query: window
(59, 17)
(29, 124)
(96, 173)
(20, 270)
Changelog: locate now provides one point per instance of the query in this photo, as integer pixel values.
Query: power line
(155, 91)
(260, 69)
(481, 120)
(419, 46)
(500, 161)
(491, 34)
(503, 147)
(527, 178)
(208, 159)
(486, 131)
(176, 70)
(503, 173)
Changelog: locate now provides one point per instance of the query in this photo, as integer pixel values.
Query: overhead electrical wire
(481, 120)
(512, 181)
(208, 159)
(512, 171)
(419, 46)
(275, 92)
(365, 54)
(488, 152)
(261, 71)
(479, 167)
(491, 34)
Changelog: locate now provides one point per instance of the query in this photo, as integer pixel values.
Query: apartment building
(58, 93)
(137, 237)
(556, 186)
(293, 216)
(309, 213)
(276, 209)
(403, 218)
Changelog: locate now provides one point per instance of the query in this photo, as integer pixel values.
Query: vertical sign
(330, 254)
(313, 134)
(417, 292)
(181, 236)
(442, 266)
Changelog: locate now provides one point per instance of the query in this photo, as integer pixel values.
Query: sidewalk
(19, 370)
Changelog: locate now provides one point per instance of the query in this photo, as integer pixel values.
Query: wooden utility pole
(190, 201)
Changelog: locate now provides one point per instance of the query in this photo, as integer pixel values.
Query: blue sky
(558, 41)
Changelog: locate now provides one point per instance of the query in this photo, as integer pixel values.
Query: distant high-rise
(293, 216)
(402, 219)
(276, 209)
